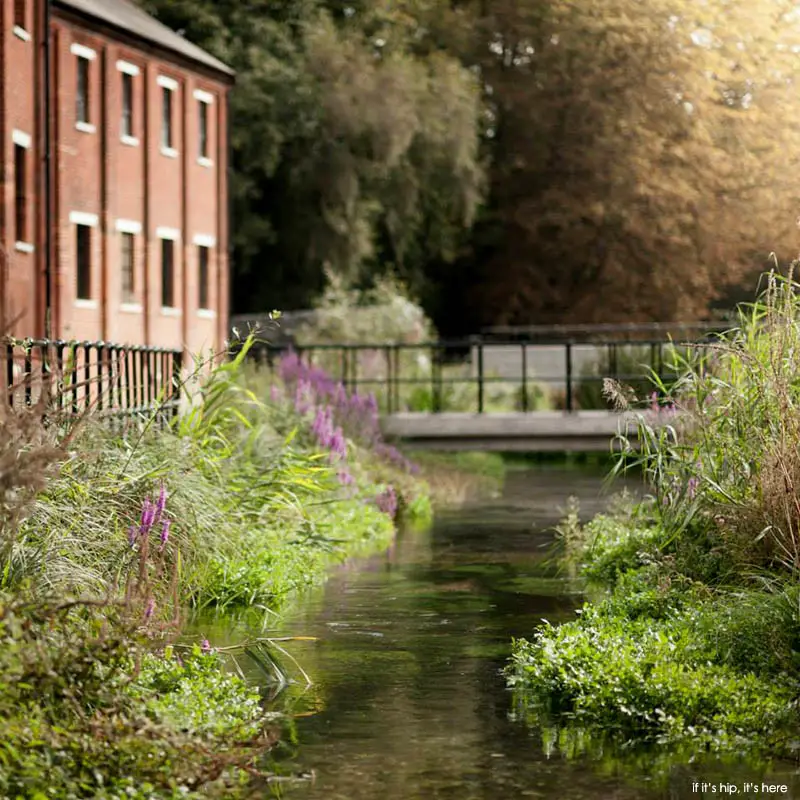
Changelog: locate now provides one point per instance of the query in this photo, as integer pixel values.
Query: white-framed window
(168, 238)
(22, 232)
(128, 72)
(20, 24)
(128, 231)
(168, 88)
(83, 90)
(204, 101)
(205, 246)
(83, 224)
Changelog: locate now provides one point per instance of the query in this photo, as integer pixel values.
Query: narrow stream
(408, 698)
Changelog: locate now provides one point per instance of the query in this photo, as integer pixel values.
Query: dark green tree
(354, 148)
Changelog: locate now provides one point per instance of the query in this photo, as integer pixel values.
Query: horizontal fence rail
(115, 382)
(488, 374)
(607, 332)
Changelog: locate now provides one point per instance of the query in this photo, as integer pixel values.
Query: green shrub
(633, 669)
(244, 515)
(81, 720)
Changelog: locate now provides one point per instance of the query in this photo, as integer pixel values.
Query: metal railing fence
(424, 376)
(113, 381)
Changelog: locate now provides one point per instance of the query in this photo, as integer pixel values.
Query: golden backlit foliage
(644, 154)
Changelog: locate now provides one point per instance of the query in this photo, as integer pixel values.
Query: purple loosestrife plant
(338, 445)
(164, 534)
(345, 477)
(387, 501)
(161, 503)
(337, 415)
(148, 517)
(152, 514)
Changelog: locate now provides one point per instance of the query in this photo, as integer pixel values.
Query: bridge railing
(490, 374)
(655, 331)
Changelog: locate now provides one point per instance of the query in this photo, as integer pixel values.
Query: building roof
(128, 17)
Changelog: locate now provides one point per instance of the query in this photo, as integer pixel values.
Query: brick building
(114, 211)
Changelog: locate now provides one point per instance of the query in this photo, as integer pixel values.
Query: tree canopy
(352, 150)
(642, 160)
(518, 161)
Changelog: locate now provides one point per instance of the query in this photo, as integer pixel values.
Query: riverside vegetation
(693, 644)
(108, 538)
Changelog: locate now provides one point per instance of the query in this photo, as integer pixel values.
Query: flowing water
(408, 700)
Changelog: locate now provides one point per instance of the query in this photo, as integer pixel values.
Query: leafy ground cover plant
(89, 711)
(83, 714)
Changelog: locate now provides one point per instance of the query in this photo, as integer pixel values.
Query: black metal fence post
(479, 345)
(436, 385)
(569, 400)
(397, 379)
(26, 374)
(87, 376)
(387, 354)
(614, 361)
(524, 378)
(73, 358)
(177, 377)
(10, 374)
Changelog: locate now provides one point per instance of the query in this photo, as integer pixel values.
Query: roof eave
(223, 71)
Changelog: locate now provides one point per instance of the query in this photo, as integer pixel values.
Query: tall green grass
(255, 514)
(729, 457)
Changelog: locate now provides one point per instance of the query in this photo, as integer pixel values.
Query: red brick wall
(18, 59)
(130, 183)
(143, 184)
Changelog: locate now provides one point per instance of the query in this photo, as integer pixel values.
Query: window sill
(206, 313)
(169, 152)
(21, 33)
(85, 127)
(85, 303)
(205, 162)
(131, 308)
(24, 247)
(131, 141)
(169, 311)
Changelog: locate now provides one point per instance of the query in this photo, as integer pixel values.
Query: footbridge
(536, 431)
(524, 389)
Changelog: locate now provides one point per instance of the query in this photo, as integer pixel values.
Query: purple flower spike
(161, 504)
(132, 532)
(148, 517)
(151, 607)
(206, 646)
(165, 533)
(387, 501)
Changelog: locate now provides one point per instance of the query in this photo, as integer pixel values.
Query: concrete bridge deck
(539, 431)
